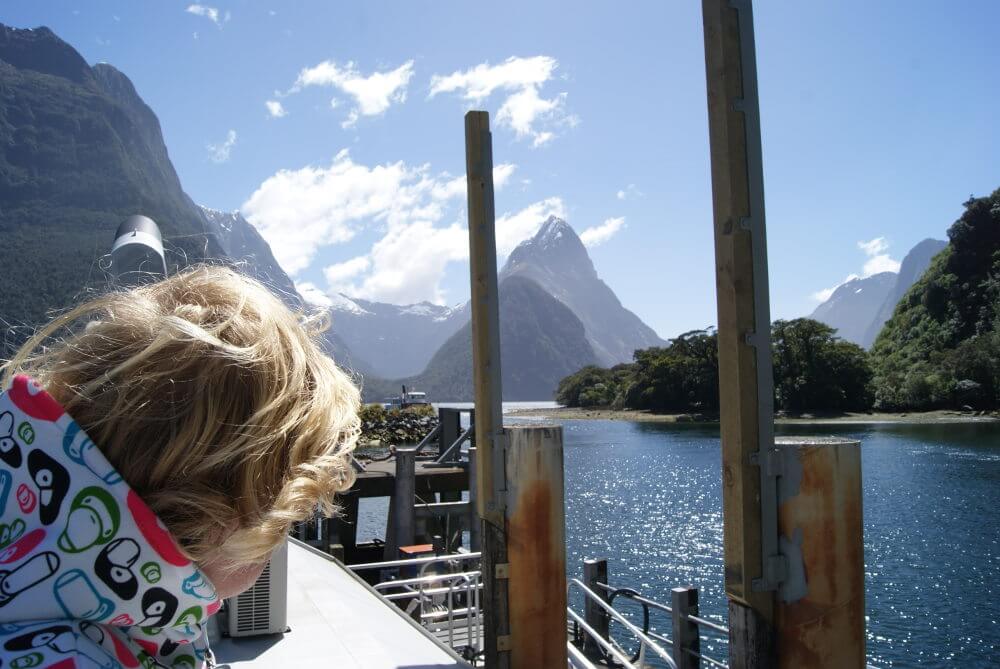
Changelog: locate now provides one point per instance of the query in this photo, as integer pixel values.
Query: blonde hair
(214, 402)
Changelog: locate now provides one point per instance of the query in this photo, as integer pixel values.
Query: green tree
(814, 370)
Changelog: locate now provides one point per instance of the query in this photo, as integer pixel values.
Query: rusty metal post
(820, 613)
(536, 545)
(687, 640)
(594, 572)
(490, 436)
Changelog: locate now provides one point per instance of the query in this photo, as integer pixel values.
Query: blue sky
(879, 119)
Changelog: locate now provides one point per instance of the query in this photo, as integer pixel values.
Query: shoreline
(644, 416)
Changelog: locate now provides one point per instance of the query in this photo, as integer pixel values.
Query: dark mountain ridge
(859, 308)
(79, 152)
(541, 341)
(398, 340)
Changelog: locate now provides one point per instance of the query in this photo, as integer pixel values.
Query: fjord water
(648, 497)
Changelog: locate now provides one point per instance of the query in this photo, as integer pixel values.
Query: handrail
(709, 624)
(426, 440)
(423, 579)
(445, 454)
(639, 634)
(697, 620)
(618, 655)
(389, 564)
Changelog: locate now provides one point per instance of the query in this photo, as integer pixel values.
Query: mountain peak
(555, 245)
(41, 50)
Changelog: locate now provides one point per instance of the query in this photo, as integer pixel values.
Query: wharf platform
(335, 620)
(378, 478)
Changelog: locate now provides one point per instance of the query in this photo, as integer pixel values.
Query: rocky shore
(381, 429)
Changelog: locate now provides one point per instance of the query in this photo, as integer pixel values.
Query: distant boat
(407, 398)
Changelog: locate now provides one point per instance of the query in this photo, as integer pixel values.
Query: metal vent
(262, 609)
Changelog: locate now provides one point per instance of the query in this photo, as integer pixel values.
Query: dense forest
(813, 369)
(940, 349)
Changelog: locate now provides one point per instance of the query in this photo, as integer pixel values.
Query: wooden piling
(536, 545)
(687, 640)
(594, 572)
(745, 389)
(820, 608)
(490, 437)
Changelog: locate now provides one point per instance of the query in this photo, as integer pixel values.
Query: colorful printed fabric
(89, 576)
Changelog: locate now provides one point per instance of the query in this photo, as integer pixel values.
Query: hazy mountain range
(859, 308)
(80, 151)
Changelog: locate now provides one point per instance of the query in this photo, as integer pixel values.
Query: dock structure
(792, 517)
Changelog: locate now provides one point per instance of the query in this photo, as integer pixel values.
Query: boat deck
(335, 620)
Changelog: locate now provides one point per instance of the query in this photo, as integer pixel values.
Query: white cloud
(874, 247)
(879, 260)
(340, 273)
(628, 192)
(372, 94)
(219, 153)
(512, 229)
(878, 257)
(406, 265)
(300, 212)
(210, 13)
(523, 109)
(598, 234)
(542, 138)
(275, 109)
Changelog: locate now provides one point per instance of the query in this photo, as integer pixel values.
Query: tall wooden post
(752, 563)
(490, 437)
(536, 547)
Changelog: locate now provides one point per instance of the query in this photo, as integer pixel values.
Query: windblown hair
(212, 399)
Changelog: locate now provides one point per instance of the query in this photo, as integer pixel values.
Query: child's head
(212, 399)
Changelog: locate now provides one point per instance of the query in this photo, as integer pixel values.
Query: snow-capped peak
(341, 302)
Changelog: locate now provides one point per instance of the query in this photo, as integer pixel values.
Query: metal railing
(689, 629)
(448, 605)
(645, 640)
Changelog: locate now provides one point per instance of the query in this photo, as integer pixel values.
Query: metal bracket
(773, 463)
(503, 642)
(502, 570)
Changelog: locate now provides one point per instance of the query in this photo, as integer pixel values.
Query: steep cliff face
(912, 268)
(853, 306)
(79, 152)
(859, 308)
(557, 260)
